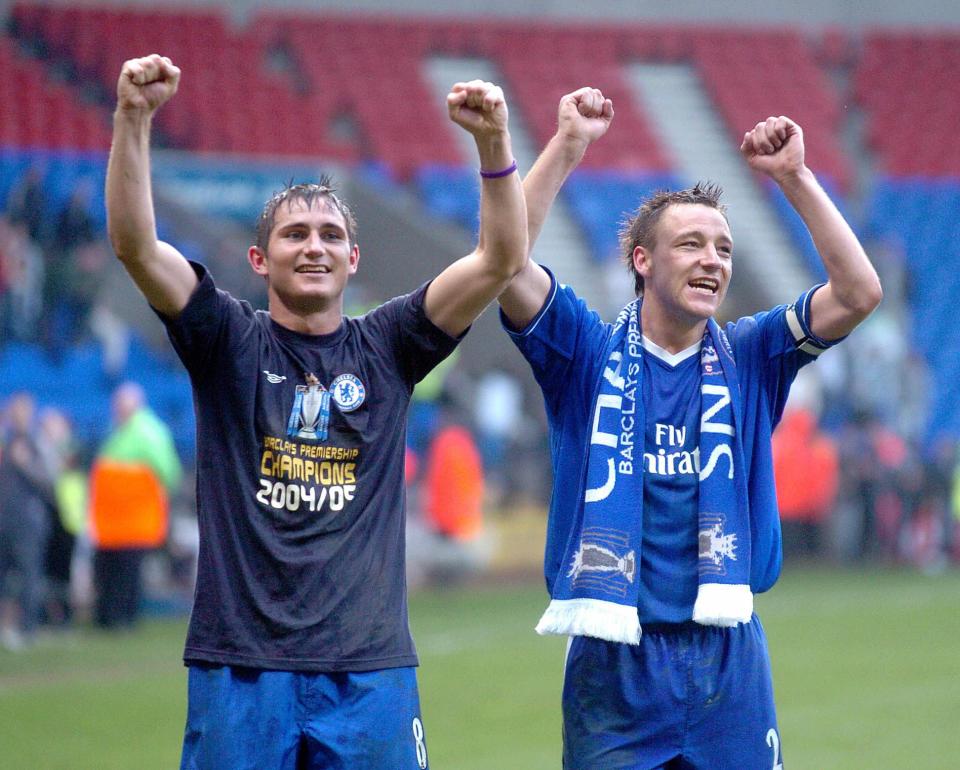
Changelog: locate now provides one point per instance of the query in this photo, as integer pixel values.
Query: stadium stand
(77, 126)
(272, 91)
(904, 80)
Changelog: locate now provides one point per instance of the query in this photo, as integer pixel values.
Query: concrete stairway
(561, 245)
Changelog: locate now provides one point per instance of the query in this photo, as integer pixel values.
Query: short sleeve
(772, 346)
(416, 343)
(563, 342)
(200, 328)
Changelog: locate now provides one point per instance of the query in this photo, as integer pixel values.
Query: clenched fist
(479, 107)
(584, 115)
(147, 83)
(774, 147)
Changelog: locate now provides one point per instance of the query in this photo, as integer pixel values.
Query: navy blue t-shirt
(300, 482)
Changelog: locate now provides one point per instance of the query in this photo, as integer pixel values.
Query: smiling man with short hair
(663, 521)
(299, 650)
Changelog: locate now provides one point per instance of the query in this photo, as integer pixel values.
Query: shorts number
(773, 741)
(421, 746)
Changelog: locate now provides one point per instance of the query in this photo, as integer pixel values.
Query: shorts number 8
(421, 746)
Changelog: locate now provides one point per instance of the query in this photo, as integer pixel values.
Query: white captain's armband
(797, 315)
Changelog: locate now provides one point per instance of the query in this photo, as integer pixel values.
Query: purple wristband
(497, 174)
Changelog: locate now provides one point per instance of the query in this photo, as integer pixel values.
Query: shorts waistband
(687, 626)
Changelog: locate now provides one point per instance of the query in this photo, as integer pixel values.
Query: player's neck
(323, 320)
(671, 333)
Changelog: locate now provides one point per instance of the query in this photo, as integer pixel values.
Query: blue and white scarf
(597, 594)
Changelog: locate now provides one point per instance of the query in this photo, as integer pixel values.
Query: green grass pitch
(866, 669)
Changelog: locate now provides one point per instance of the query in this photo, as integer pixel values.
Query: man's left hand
(479, 107)
(775, 148)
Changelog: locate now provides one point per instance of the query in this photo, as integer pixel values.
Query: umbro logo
(274, 378)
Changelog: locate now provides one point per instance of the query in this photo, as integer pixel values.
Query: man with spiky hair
(663, 521)
(299, 651)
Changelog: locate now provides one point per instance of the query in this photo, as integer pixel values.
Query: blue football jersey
(566, 345)
(671, 401)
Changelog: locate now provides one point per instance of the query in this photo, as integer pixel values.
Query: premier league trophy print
(310, 416)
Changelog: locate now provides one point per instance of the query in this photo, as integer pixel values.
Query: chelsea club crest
(348, 392)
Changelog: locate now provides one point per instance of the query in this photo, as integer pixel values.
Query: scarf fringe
(591, 617)
(721, 604)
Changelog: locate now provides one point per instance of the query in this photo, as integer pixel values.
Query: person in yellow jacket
(135, 471)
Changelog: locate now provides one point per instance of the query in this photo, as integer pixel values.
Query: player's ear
(257, 258)
(354, 260)
(641, 261)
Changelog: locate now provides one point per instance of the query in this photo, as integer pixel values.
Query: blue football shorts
(687, 697)
(240, 718)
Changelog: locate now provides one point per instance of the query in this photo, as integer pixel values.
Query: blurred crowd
(97, 529)
(51, 264)
(77, 522)
(54, 264)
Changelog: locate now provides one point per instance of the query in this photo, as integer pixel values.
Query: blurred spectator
(423, 418)
(858, 375)
(76, 264)
(114, 337)
(68, 517)
(875, 464)
(448, 542)
(26, 497)
(75, 226)
(71, 293)
(913, 413)
(134, 473)
(22, 268)
(27, 204)
(498, 415)
(806, 467)
(453, 487)
(910, 518)
(861, 478)
(929, 530)
(953, 536)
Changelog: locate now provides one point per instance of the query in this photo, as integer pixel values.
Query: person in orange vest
(806, 469)
(447, 542)
(135, 471)
(454, 485)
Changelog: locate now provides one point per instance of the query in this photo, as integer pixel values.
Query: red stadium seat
(748, 72)
(905, 80)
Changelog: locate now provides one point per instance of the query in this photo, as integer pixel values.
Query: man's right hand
(584, 115)
(147, 83)
(161, 273)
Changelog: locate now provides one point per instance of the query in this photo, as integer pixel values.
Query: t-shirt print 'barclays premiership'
(300, 484)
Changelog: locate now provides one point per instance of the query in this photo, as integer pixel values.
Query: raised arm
(853, 290)
(582, 117)
(160, 272)
(461, 292)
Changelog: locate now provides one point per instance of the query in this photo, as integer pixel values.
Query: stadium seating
(753, 74)
(75, 380)
(905, 81)
(353, 90)
(601, 200)
(918, 218)
(450, 193)
(61, 171)
(40, 113)
(272, 89)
